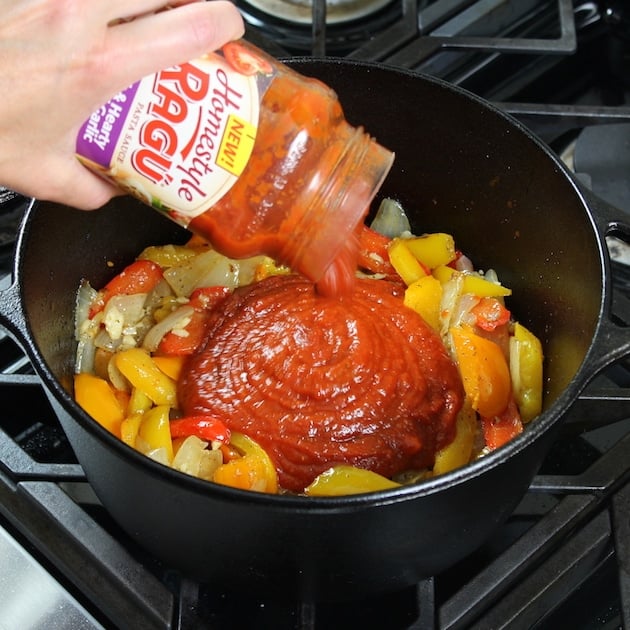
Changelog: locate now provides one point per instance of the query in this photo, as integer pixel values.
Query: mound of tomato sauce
(319, 381)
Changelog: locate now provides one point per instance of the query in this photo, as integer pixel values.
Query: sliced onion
(491, 276)
(462, 314)
(84, 329)
(451, 291)
(463, 263)
(208, 269)
(85, 296)
(86, 351)
(104, 341)
(155, 297)
(188, 455)
(210, 461)
(390, 219)
(248, 267)
(177, 319)
(194, 458)
(130, 307)
(159, 455)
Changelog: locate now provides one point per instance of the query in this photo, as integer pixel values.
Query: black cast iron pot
(462, 167)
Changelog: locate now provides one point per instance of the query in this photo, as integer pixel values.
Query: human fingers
(69, 182)
(160, 40)
(89, 194)
(124, 10)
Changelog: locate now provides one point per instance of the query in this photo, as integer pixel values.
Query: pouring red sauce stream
(319, 381)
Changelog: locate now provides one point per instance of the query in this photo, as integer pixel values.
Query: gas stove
(563, 557)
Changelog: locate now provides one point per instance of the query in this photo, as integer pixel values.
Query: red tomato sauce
(318, 381)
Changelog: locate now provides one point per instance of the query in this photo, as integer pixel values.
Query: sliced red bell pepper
(141, 276)
(203, 300)
(373, 251)
(490, 313)
(500, 429)
(204, 427)
(173, 344)
(206, 298)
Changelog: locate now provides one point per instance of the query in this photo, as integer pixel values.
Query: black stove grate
(406, 33)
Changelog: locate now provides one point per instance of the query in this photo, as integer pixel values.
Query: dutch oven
(463, 167)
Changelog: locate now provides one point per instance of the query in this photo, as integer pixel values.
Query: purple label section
(99, 134)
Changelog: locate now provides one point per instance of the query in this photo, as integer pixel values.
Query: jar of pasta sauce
(247, 153)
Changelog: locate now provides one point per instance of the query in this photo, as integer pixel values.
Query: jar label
(179, 139)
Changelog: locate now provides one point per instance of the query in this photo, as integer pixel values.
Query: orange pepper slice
(484, 370)
(98, 398)
(253, 471)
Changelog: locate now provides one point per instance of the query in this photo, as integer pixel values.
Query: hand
(61, 59)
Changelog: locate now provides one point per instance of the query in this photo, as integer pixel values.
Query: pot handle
(11, 313)
(612, 339)
(12, 316)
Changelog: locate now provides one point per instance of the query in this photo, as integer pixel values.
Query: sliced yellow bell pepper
(404, 262)
(484, 370)
(129, 429)
(139, 402)
(433, 250)
(472, 282)
(253, 471)
(343, 479)
(171, 366)
(268, 267)
(154, 430)
(167, 255)
(443, 273)
(424, 296)
(98, 398)
(459, 451)
(481, 287)
(142, 372)
(526, 368)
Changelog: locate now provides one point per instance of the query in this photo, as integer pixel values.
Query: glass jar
(247, 153)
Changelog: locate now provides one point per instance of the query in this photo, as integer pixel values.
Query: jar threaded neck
(336, 202)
